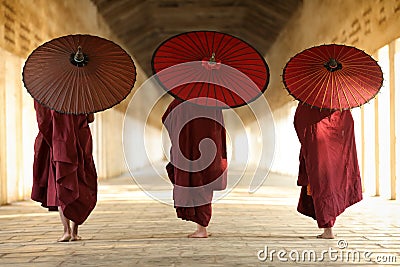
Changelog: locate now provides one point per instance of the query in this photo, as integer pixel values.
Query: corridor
(134, 222)
(130, 228)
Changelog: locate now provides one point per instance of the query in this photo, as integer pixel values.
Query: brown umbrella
(79, 74)
(333, 76)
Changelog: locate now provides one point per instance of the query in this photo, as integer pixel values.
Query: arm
(90, 117)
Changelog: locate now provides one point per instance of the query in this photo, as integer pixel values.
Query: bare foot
(198, 234)
(327, 234)
(323, 236)
(64, 238)
(76, 238)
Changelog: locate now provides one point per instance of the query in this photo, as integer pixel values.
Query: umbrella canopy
(332, 76)
(79, 74)
(210, 68)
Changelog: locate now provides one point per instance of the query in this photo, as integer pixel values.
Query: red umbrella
(210, 68)
(332, 76)
(79, 74)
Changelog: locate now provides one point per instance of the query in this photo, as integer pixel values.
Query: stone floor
(130, 228)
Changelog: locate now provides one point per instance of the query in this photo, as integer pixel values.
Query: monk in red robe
(328, 171)
(198, 160)
(64, 174)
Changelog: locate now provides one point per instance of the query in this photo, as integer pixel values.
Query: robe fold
(328, 163)
(198, 158)
(64, 174)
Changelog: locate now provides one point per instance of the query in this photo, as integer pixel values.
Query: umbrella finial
(212, 59)
(333, 65)
(211, 63)
(79, 59)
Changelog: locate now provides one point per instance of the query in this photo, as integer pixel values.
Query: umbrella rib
(231, 51)
(176, 70)
(121, 74)
(202, 43)
(90, 96)
(235, 84)
(343, 86)
(338, 91)
(56, 92)
(186, 84)
(117, 90)
(201, 85)
(194, 84)
(207, 45)
(239, 81)
(69, 94)
(323, 85)
(231, 57)
(364, 90)
(247, 77)
(249, 73)
(221, 78)
(222, 49)
(110, 87)
(64, 95)
(338, 96)
(198, 95)
(176, 46)
(366, 76)
(114, 91)
(314, 57)
(347, 54)
(359, 92)
(240, 51)
(103, 85)
(219, 44)
(216, 80)
(208, 92)
(301, 80)
(244, 62)
(310, 93)
(212, 43)
(334, 85)
(199, 47)
(176, 52)
(184, 75)
(325, 91)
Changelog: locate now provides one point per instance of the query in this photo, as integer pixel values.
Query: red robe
(195, 177)
(328, 163)
(64, 173)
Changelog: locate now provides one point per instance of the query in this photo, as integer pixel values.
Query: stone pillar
(3, 141)
(13, 125)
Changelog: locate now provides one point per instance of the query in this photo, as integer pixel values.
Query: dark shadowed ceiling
(143, 24)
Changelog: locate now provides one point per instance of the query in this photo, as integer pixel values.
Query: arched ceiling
(143, 24)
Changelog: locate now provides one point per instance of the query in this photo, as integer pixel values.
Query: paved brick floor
(129, 228)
